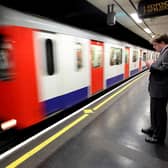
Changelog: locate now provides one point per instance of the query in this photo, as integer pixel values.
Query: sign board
(151, 8)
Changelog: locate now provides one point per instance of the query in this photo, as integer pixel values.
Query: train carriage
(46, 67)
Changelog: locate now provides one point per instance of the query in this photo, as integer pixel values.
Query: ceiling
(124, 8)
(92, 15)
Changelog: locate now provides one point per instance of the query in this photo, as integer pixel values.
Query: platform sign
(152, 8)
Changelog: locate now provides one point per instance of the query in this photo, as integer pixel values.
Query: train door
(140, 61)
(49, 76)
(127, 58)
(97, 69)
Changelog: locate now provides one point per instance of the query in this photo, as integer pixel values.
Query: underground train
(46, 67)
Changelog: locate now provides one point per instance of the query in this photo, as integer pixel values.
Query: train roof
(14, 17)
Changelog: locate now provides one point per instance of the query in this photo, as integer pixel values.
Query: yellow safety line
(115, 94)
(45, 143)
(65, 129)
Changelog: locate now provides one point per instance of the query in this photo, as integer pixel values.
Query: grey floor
(112, 139)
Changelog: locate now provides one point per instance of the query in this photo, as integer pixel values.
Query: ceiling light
(147, 30)
(136, 17)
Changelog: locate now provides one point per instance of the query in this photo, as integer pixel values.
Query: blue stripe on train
(133, 72)
(113, 80)
(65, 101)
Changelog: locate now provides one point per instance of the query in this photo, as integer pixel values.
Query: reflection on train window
(126, 56)
(135, 56)
(157, 56)
(5, 64)
(49, 56)
(96, 55)
(115, 56)
(153, 56)
(79, 56)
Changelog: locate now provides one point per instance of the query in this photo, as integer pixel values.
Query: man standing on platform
(158, 90)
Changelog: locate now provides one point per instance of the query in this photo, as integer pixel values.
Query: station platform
(104, 134)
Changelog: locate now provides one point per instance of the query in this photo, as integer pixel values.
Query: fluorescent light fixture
(147, 30)
(136, 17)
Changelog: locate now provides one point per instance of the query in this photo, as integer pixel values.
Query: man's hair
(160, 39)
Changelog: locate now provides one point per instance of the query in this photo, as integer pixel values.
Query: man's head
(160, 42)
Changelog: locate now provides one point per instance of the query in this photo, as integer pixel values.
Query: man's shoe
(148, 131)
(154, 140)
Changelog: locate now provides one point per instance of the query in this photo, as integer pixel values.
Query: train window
(126, 57)
(115, 56)
(147, 56)
(144, 56)
(79, 56)
(153, 56)
(5, 64)
(49, 56)
(96, 54)
(135, 56)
